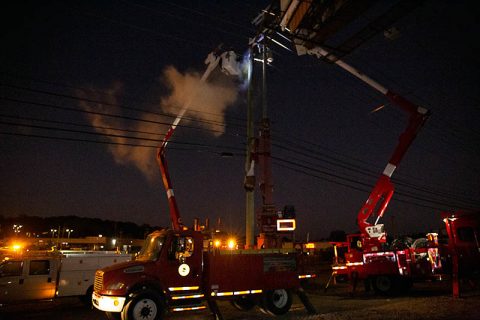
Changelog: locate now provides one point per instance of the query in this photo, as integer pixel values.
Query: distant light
(310, 245)
(231, 244)
(286, 224)
(217, 243)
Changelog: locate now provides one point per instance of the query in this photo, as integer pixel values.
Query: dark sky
(59, 58)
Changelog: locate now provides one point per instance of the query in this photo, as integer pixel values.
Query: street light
(53, 231)
(16, 228)
(68, 233)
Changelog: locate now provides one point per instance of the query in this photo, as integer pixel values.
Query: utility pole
(249, 183)
(268, 237)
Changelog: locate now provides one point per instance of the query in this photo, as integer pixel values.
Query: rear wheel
(145, 305)
(383, 284)
(277, 302)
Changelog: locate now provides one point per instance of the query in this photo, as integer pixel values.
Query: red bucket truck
(182, 270)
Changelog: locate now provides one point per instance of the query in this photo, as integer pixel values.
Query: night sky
(64, 65)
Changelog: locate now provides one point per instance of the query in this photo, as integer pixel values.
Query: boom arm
(228, 63)
(383, 191)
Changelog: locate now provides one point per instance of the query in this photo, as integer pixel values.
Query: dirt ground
(430, 300)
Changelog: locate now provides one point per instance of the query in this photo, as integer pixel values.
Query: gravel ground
(430, 301)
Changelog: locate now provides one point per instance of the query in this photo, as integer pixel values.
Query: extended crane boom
(377, 202)
(229, 65)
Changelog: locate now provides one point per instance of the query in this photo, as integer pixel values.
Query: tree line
(70, 226)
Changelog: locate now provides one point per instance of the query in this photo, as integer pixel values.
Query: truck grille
(98, 284)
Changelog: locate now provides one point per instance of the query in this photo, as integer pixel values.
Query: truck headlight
(116, 286)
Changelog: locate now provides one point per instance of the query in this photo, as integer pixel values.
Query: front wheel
(145, 305)
(277, 302)
(87, 297)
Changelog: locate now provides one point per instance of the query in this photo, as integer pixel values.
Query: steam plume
(208, 101)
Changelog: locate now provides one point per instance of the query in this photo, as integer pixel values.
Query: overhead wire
(134, 26)
(76, 131)
(110, 135)
(198, 24)
(191, 109)
(330, 177)
(132, 144)
(110, 115)
(106, 103)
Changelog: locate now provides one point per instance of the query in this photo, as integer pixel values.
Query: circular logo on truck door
(184, 269)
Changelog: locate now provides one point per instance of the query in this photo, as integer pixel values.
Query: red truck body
(181, 271)
(455, 253)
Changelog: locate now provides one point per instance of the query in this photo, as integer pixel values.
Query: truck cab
(169, 267)
(28, 278)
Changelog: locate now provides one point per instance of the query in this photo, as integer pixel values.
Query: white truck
(47, 275)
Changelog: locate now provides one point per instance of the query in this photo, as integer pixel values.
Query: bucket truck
(181, 269)
(309, 24)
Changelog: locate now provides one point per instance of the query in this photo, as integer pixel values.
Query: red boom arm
(382, 192)
(162, 164)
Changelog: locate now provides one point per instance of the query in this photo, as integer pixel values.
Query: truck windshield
(151, 248)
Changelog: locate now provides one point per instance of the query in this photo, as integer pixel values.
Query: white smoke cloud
(142, 158)
(208, 102)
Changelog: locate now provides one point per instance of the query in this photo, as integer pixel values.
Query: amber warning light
(286, 224)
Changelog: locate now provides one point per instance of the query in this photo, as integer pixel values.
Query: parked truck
(175, 271)
(181, 269)
(387, 267)
(43, 275)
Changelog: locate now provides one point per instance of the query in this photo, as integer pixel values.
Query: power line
(109, 135)
(38, 104)
(217, 123)
(229, 22)
(327, 176)
(108, 94)
(139, 28)
(348, 181)
(181, 18)
(81, 125)
(306, 152)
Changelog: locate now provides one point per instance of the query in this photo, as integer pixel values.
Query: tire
(383, 285)
(277, 302)
(243, 303)
(113, 315)
(145, 305)
(87, 298)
